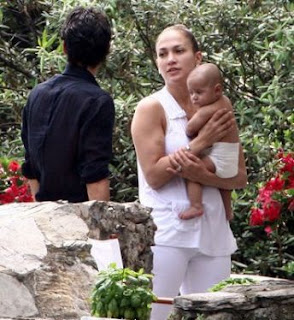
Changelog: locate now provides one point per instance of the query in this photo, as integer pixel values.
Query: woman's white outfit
(189, 254)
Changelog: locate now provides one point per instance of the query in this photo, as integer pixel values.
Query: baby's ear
(218, 89)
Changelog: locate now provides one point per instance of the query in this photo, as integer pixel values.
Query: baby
(205, 86)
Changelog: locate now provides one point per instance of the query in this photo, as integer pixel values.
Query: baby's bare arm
(200, 118)
(208, 164)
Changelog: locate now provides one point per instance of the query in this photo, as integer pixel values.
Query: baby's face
(201, 92)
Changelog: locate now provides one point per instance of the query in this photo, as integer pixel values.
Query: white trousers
(185, 271)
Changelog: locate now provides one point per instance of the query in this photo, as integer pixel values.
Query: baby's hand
(174, 165)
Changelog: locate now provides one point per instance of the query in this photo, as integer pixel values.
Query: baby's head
(205, 84)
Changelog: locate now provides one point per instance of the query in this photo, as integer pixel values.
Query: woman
(189, 255)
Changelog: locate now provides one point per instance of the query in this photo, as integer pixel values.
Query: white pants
(185, 271)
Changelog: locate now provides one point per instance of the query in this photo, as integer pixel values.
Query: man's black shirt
(67, 134)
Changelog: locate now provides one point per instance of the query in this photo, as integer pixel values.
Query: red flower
(265, 195)
(257, 217)
(291, 205)
(12, 190)
(13, 166)
(280, 154)
(16, 194)
(14, 187)
(290, 184)
(27, 197)
(289, 164)
(275, 184)
(275, 199)
(272, 210)
(6, 198)
(268, 230)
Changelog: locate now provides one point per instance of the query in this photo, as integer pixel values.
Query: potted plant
(122, 293)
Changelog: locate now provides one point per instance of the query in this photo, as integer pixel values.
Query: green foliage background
(251, 41)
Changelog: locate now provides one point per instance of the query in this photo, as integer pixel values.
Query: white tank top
(211, 232)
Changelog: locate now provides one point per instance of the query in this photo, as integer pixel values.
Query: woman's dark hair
(187, 33)
(87, 35)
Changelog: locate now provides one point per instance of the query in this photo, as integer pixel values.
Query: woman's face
(175, 56)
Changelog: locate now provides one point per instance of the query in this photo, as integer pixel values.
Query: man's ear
(64, 48)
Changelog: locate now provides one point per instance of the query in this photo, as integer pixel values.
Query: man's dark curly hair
(87, 35)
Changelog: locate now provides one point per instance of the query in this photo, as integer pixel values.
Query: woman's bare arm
(148, 133)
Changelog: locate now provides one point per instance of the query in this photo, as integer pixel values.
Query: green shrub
(231, 281)
(122, 293)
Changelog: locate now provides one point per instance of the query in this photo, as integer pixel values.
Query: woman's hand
(186, 165)
(218, 126)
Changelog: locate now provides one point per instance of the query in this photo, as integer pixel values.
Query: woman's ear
(198, 58)
(157, 66)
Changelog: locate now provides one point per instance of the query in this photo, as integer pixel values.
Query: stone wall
(46, 269)
(265, 300)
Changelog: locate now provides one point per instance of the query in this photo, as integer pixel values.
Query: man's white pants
(184, 270)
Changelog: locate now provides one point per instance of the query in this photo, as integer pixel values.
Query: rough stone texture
(265, 300)
(46, 269)
(21, 303)
(132, 224)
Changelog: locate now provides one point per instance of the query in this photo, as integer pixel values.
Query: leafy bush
(231, 281)
(275, 202)
(122, 294)
(123, 166)
(274, 212)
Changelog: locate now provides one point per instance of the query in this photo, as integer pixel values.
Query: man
(68, 119)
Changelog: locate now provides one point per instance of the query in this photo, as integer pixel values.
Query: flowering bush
(13, 186)
(275, 202)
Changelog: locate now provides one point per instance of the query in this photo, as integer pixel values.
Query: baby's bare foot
(192, 212)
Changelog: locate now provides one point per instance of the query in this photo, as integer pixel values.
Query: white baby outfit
(225, 156)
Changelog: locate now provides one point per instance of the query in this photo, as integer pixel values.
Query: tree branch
(15, 67)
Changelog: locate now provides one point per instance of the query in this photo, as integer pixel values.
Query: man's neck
(93, 70)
